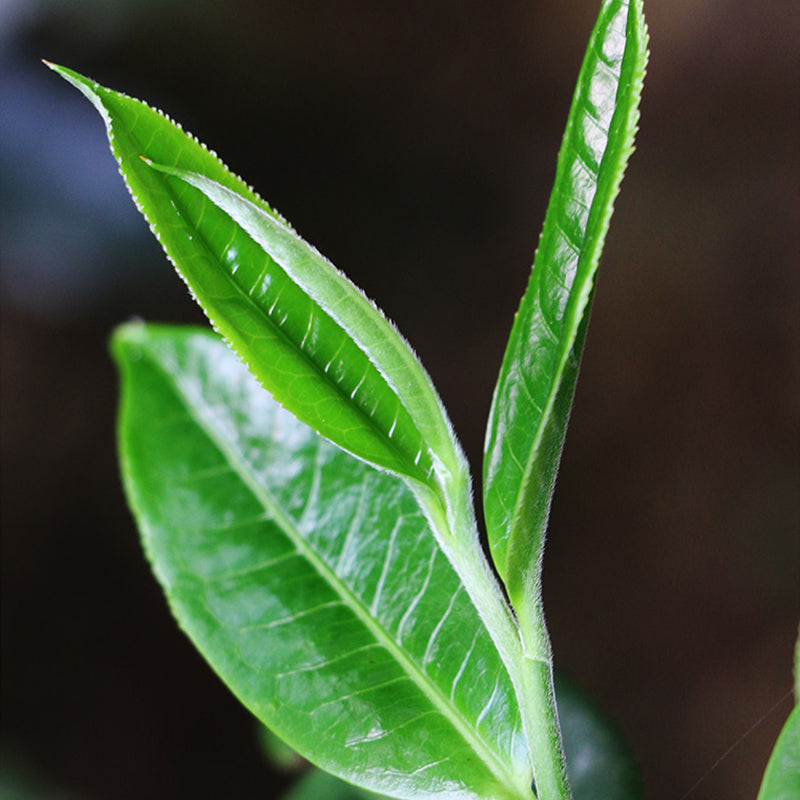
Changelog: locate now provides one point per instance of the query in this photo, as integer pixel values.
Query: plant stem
(530, 667)
(543, 728)
(523, 645)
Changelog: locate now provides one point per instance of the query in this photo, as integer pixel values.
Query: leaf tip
(86, 86)
(73, 77)
(126, 335)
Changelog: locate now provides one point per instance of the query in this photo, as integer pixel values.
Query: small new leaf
(534, 391)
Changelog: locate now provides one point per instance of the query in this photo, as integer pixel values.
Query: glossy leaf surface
(310, 582)
(537, 378)
(309, 335)
(782, 776)
(599, 763)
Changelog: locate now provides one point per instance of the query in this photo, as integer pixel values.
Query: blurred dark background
(414, 143)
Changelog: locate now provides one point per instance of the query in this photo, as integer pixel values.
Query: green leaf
(599, 763)
(782, 776)
(320, 347)
(534, 390)
(797, 668)
(278, 753)
(311, 582)
(317, 785)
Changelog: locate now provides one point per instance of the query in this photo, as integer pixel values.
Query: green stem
(524, 647)
(544, 731)
(543, 728)
(530, 667)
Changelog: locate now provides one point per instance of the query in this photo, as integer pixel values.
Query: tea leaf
(316, 784)
(599, 763)
(782, 776)
(534, 391)
(321, 348)
(311, 582)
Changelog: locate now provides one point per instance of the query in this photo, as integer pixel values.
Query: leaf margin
(781, 779)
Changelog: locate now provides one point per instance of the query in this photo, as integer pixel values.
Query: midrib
(199, 410)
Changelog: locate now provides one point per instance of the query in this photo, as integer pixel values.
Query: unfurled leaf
(321, 348)
(310, 581)
(278, 753)
(318, 785)
(599, 763)
(537, 378)
(782, 776)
